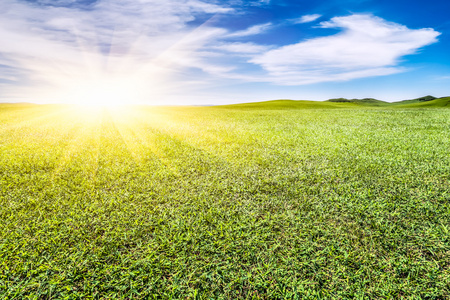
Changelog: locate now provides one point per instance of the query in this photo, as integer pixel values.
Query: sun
(96, 89)
(102, 93)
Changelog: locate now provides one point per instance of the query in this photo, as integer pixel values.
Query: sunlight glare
(105, 92)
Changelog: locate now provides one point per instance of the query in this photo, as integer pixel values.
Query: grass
(225, 202)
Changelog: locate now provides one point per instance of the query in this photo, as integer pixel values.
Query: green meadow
(274, 200)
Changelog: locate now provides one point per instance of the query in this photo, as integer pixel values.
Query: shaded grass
(224, 203)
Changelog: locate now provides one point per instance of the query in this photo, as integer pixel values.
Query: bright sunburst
(102, 92)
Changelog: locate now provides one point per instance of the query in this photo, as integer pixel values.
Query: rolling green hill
(365, 101)
(440, 102)
(288, 104)
(417, 100)
(427, 101)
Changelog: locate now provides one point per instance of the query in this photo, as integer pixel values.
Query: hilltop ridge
(426, 101)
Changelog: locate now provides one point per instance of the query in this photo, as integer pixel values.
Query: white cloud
(367, 46)
(263, 2)
(306, 19)
(241, 48)
(57, 2)
(253, 30)
(249, 3)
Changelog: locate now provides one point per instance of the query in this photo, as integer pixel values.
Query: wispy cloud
(306, 19)
(367, 46)
(241, 48)
(250, 3)
(263, 2)
(253, 30)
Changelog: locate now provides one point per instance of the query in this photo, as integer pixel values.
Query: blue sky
(229, 51)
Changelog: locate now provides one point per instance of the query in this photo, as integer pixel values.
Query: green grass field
(278, 200)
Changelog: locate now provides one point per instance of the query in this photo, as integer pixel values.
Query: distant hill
(365, 101)
(437, 102)
(288, 104)
(427, 101)
(417, 100)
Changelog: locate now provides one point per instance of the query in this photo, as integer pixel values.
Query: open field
(267, 201)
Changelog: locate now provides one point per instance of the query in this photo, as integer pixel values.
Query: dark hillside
(364, 101)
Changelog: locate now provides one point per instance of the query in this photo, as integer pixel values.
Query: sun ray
(83, 142)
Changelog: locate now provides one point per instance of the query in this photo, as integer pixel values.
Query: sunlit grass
(184, 202)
